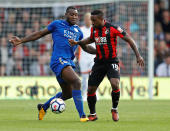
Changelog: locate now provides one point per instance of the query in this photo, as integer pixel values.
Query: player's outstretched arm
(34, 36)
(89, 49)
(81, 42)
(133, 45)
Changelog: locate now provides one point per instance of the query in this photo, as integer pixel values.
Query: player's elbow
(85, 48)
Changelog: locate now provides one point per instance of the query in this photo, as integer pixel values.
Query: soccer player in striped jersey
(106, 62)
(62, 59)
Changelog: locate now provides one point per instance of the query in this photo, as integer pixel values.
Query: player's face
(96, 21)
(72, 16)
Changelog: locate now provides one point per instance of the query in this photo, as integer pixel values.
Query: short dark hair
(97, 12)
(69, 8)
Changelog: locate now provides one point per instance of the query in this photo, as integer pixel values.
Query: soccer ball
(57, 105)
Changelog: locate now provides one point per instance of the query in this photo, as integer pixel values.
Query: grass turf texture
(21, 115)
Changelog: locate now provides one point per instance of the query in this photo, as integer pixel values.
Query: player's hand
(72, 42)
(140, 61)
(15, 41)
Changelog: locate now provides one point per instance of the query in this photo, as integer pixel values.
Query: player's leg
(92, 99)
(57, 68)
(66, 91)
(115, 98)
(84, 84)
(70, 76)
(114, 78)
(85, 68)
(62, 68)
(95, 78)
(65, 94)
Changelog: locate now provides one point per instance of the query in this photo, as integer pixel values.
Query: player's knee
(115, 85)
(91, 90)
(76, 84)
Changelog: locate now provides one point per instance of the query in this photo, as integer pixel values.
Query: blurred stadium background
(27, 66)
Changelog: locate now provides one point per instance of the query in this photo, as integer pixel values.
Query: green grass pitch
(138, 115)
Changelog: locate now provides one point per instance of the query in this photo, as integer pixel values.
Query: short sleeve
(81, 35)
(120, 32)
(51, 27)
(91, 34)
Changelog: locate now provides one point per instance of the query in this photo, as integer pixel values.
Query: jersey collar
(65, 21)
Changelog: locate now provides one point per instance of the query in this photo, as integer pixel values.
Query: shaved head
(98, 13)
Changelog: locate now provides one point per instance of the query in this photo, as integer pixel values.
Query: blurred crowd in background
(162, 37)
(32, 59)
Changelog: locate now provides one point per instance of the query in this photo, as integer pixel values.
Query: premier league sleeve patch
(120, 29)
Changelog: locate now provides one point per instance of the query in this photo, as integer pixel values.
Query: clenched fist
(72, 42)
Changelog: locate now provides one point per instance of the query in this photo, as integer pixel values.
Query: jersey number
(115, 67)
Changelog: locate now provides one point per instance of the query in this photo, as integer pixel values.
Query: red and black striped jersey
(106, 41)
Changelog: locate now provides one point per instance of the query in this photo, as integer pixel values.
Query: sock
(91, 99)
(47, 104)
(115, 98)
(78, 101)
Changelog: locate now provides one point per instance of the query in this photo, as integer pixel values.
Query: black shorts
(100, 70)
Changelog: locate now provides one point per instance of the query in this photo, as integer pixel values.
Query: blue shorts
(58, 65)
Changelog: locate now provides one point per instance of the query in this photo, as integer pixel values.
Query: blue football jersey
(62, 31)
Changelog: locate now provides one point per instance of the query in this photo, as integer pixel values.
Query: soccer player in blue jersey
(62, 59)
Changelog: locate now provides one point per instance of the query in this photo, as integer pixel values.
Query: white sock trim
(93, 114)
(115, 108)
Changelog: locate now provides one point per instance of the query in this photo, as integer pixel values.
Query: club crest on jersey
(120, 29)
(75, 29)
(63, 24)
(107, 31)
